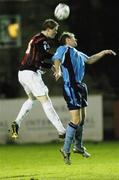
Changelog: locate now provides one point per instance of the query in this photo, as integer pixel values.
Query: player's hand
(53, 68)
(57, 75)
(110, 52)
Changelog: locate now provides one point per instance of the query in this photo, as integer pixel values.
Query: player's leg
(51, 114)
(69, 94)
(79, 132)
(78, 144)
(70, 134)
(26, 107)
(40, 91)
(24, 79)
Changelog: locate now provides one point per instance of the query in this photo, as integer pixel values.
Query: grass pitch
(44, 162)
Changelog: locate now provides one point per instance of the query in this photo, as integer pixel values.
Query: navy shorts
(75, 96)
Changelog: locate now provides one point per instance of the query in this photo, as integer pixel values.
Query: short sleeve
(60, 53)
(84, 56)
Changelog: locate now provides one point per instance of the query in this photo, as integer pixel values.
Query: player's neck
(44, 33)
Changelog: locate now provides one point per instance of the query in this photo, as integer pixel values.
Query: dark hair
(49, 23)
(63, 37)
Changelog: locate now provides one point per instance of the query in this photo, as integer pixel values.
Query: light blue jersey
(72, 63)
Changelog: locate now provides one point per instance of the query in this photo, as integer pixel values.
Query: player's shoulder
(39, 38)
(62, 48)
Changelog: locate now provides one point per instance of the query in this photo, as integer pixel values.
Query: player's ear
(67, 40)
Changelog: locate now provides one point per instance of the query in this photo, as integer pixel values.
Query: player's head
(50, 28)
(68, 38)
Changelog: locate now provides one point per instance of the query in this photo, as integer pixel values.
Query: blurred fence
(37, 128)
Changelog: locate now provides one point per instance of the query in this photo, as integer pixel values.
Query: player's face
(72, 41)
(52, 32)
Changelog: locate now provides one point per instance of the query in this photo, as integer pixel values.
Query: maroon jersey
(36, 53)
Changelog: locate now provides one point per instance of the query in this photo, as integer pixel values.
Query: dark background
(96, 26)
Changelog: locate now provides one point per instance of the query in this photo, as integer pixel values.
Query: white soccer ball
(62, 11)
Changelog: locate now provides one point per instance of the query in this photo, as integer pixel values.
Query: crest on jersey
(46, 46)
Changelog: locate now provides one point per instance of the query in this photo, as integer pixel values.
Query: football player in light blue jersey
(77, 59)
(70, 64)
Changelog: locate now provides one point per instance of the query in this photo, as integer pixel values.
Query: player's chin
(53, 36)
(75, 45)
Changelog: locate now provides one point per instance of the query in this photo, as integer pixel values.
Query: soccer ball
(62, 11)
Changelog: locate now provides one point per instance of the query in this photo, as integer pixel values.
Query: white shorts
(32, 82)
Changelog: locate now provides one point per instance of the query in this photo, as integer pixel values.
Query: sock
(52, 116)
(70, 133)
(78, 136)
(26, 107)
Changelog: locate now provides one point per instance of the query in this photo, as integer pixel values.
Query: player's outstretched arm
(92, 59)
